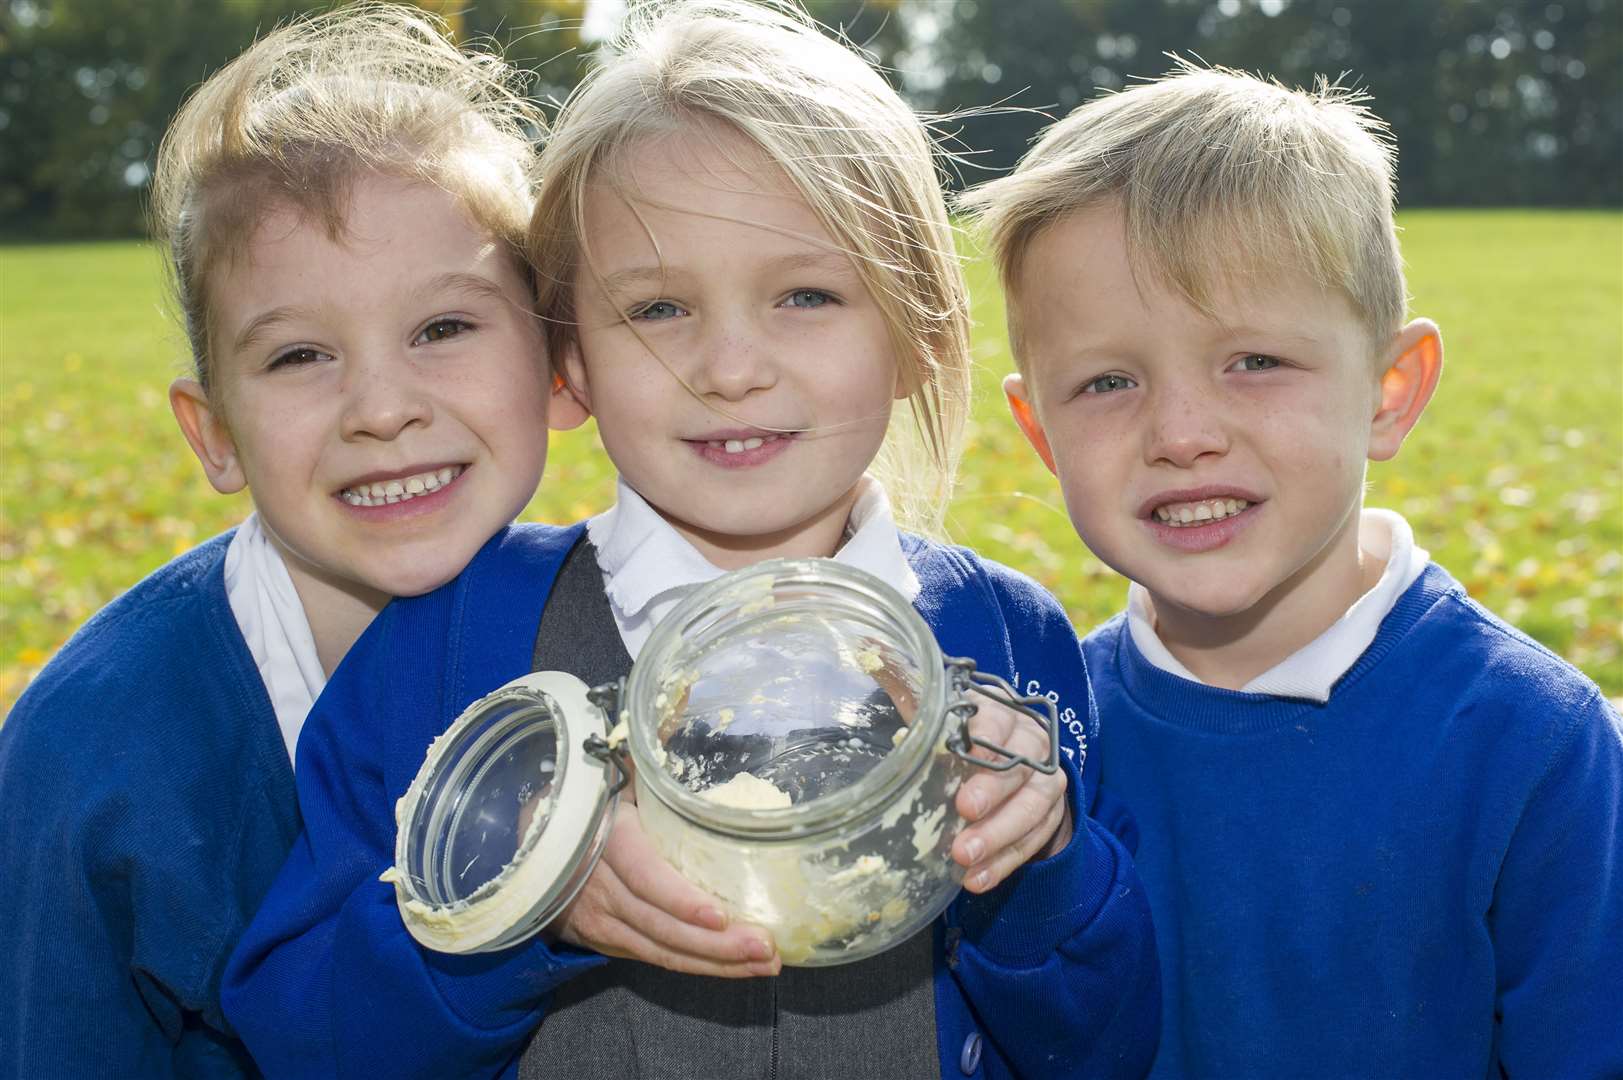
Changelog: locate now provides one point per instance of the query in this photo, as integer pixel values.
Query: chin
(413, 582)
(1209, 603)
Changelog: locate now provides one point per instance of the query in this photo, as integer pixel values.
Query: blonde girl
(342, 209)
(743, 264)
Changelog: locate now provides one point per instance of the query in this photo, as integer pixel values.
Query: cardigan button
(970, 1059)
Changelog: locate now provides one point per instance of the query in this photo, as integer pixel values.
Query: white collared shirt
(1312, 670)
(273, 623)
(648, 567)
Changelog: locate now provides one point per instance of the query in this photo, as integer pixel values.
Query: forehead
(705, 185)
(376, 215)
(387, 231)
(1081, 283)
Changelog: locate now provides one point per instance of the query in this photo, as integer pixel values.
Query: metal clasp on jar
(612, 751)
(966, 680)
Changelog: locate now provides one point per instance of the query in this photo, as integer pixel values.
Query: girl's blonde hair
(373, 87)
(1219, 175)
(859, 156)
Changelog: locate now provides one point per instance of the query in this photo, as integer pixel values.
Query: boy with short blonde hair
(1382, 830)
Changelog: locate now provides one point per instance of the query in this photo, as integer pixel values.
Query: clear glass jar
(790, 733)
(797, 738)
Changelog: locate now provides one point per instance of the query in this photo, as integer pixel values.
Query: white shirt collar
(274, 626)
(648, 567)
(1313, 669)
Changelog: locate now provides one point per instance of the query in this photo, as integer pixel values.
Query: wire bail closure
(967, 680)
(616, 754)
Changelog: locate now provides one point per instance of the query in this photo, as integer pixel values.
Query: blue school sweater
(146, 802)
(1422, 877)
(1051, 975)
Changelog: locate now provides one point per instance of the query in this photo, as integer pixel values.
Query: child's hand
(1015, 815)
(636, 905)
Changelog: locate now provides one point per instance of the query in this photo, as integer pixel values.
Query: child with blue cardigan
(1382, 830)
(343, 208)
(744, 262)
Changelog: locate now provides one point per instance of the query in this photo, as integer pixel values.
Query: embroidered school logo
(1075, 725)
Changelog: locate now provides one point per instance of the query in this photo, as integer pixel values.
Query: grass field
(1514, 479)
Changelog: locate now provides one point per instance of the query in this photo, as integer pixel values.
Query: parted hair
(1220, 176)
(300, 114)
(862, 159)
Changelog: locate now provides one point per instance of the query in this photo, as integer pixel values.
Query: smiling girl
(343, 210)
(744, 264)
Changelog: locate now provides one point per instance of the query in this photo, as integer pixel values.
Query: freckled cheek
(1090, 465)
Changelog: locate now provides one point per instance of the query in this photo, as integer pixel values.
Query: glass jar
(797, 739)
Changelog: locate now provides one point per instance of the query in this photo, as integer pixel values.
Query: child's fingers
(1022, 823)
(636, 905)
(628, 926)
(1003, 850)
(1014, 814)
(700, 919)
(985, 790)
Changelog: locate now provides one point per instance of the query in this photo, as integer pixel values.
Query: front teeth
(401, 490)
(1179, 515)
(738, 446)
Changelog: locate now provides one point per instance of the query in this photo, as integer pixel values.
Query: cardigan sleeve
(74, 999)
(327, 981)
(1557, 912)
(145, 804)
(1059, 963)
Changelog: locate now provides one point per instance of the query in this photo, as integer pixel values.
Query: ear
(210, 440)
(567, 409)
(1025, 414)
(573, 376)
(1414, 364)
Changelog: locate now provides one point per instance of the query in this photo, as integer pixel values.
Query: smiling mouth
(401, 489)
(738, 446)
(1182, 515)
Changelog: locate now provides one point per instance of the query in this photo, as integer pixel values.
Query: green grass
(1513, 479)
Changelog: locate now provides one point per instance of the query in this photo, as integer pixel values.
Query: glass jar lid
(507, 816)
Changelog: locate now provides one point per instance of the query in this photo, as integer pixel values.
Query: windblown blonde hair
(860, 157)
(373, 87)
(1219, 175)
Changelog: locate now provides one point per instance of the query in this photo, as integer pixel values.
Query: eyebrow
(462, 281)
(633, 276)
(1275, 333)
(257, 325)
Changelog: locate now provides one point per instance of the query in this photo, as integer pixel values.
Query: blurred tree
(540, 36)
(87, 86)
(1507, 102)
(878, 27)
(85, 89)
(1492, 101)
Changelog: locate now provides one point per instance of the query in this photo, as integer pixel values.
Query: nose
(382, 397)
(736, 360)
(1184, 427)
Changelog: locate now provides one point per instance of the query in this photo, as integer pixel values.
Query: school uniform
(146, 803)
(1051, 975)
(1398, 853)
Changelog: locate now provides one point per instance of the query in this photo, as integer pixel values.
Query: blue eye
(441, 329)
(1256, 362)
(657, 311)
(297, 357)
(808, 298)
(1108, 384)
